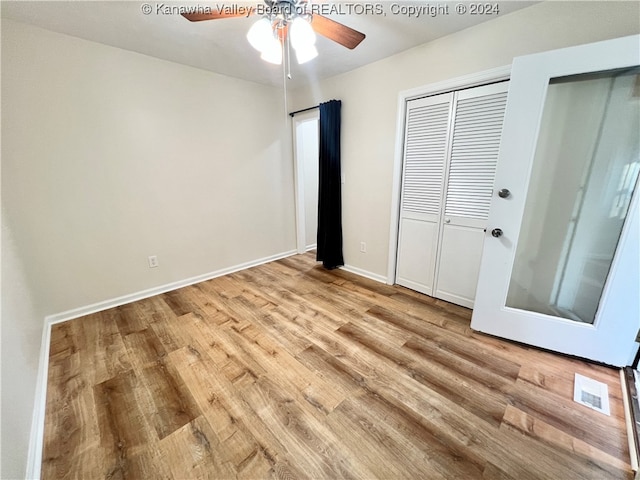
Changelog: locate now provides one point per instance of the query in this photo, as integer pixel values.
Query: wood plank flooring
(288, 371)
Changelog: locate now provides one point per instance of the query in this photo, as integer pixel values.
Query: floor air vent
(591, 393)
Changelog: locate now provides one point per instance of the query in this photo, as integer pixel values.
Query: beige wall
(370, 99)
(21, 331)
(109, 156)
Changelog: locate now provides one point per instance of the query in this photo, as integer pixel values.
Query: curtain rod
(303, 110)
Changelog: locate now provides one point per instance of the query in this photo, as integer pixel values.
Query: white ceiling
(220, 45)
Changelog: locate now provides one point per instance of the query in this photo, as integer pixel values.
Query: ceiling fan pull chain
(286, 39)
(284, 87)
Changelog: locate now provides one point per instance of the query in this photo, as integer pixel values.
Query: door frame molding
(467, 81)
(299, 177)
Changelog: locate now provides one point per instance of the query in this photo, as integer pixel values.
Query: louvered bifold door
(425, 153)
(477, 127)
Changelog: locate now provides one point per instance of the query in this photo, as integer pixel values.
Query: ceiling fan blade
(217, 14)
(337, 32)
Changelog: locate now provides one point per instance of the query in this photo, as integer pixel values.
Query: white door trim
(467, 81)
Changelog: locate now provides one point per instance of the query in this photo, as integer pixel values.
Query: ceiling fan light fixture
(306, 53)
(273, 51)
(285, 24)
(302, 34)
(260, 34)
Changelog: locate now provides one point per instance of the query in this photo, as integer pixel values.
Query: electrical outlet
(363, 247)
(153, 261)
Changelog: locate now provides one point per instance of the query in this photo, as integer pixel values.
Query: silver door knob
(496, 232)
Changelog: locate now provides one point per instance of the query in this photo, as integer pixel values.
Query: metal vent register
(591, 393)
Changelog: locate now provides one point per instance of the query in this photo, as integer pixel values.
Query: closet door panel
(477, 128)
(459, 264)
(425, 153)
(416, 270)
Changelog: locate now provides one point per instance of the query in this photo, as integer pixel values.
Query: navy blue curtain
(329, 250)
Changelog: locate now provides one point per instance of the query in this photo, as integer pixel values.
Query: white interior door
(425, 154)
(561, 263)
(306, 151)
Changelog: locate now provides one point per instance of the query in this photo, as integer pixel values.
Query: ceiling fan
(284, 21)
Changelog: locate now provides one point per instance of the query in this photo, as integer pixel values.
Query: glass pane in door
(584, 173)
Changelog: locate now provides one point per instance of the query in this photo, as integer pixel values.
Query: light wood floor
(290, 371)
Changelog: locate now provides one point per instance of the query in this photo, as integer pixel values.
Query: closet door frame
(458, 83)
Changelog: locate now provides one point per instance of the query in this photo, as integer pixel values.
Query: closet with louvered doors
(450, 152)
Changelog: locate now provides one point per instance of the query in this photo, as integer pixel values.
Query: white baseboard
(134, 297)
(365, 273)
(36, 438)
(36, 442)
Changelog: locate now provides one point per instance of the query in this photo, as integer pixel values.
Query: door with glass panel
(561, 264)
